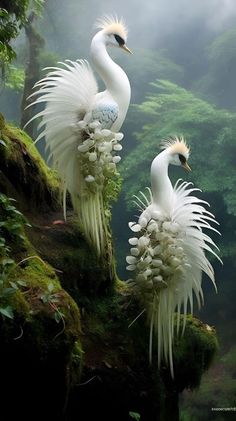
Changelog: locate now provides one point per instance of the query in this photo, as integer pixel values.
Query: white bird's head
(114, 31)
(178, 151)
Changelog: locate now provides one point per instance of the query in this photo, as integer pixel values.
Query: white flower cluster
(156, 255)
(97, 154)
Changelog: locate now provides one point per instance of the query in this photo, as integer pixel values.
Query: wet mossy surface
(40, 355)
(40, 329)
(24, 174)
(63, 245)
(72, 349)
(194, 353)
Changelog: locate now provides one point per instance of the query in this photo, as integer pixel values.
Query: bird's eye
(119, 39)
(182, 159)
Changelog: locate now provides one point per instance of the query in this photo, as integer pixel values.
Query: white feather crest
(176, 144)
(112, 25)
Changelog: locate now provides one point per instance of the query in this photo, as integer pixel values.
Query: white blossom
(116, 159)
(119, 136)
(131, 260)
(117, 147)
(83, 148)
(89, 178)
(92, 157)
(134, 227)
(133, 241)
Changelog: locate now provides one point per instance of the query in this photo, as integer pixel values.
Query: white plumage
(168, 249)
(80, 126)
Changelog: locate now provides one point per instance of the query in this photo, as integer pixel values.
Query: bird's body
(80, 125)
(168, 254)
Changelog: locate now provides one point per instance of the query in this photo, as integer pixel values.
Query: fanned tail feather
(72, 143)
(91, 216)
(168, 258)
(162, 327)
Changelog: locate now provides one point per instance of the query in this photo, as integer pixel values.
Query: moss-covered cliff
(68, 344)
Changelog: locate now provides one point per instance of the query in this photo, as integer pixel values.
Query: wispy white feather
(168, 269)
(72, 103)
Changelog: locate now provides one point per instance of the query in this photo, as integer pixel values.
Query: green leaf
(2, 241)
(7, 312)
(13, 284)
(6, 262)
(58, 316)
(22, 283)
(134, 415)
(45, 298)
(16, 212)
(54, 299)
(8, 291)
(3, 13)
(50, 287)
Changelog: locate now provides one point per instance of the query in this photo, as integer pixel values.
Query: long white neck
(162, 189)
(114, 77)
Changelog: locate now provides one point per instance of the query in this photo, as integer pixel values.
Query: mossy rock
(63, 245)
(26, 178)
(24, 174)
(117, 376)
(40, 353)
(194, 353)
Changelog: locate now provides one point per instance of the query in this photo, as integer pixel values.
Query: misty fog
(151, 23)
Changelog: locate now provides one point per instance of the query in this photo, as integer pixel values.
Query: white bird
(80, 126)
(168, 249)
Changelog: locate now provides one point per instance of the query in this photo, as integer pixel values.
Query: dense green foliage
(144, 66)
(218, 83)
(12, 225)
(210, 132)
(15, 78)
(13, 16)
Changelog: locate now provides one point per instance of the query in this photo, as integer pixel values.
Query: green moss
(80, 271)
(26, 176)
(39, 310)
(10, 134)
(121, 287)
(40, 292)
(38, 303)
(20, 305)
(76, 363)
(111, 191)
(2, 122)
(46, 325)
(193, 353)
(38, 273)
